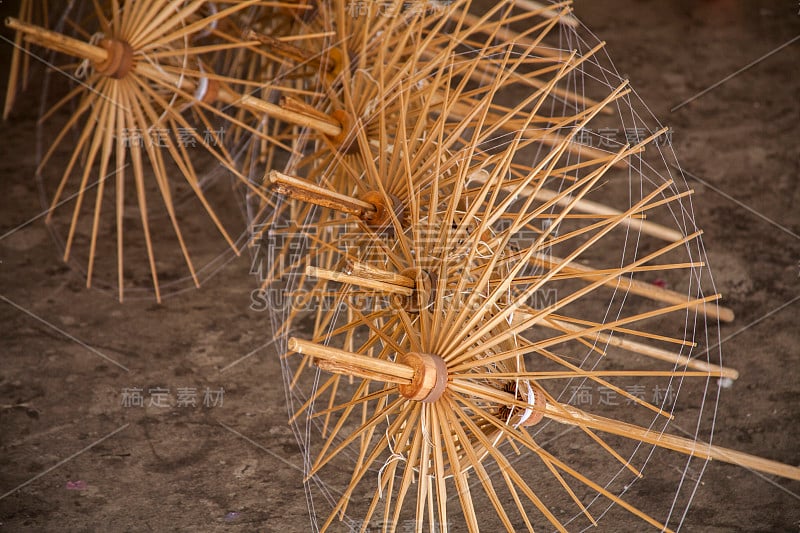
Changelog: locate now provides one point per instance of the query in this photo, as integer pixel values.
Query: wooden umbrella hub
(334, 62)
(381, 217)
(343, 140)
(430, 377)
(418, 376)
(119, 60)
(424, 290)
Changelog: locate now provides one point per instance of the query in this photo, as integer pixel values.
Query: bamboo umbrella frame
(354, 93)
(328, 170)
(147, 68)
(191, 85)
(460, 369)
(331, 40)
(195, 83)
(428, 339)
(359, 38)
(32, 12)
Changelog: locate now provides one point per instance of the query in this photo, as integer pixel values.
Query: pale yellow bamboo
(647, 350)
(503, 33)
(364, 270)
(531, 5)
(460, 110)
(647, 290)
(691, 447)
(589, 206)
(394, 372)
(308, 192)
(341, 277)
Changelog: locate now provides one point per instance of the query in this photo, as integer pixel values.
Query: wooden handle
(57, 41)
(354, 364)
(342, 277)
(309, 192)
(329, 127)
(419, 376)
(364, 270)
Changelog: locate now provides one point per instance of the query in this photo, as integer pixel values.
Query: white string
(208, 30)
(202, 88)
(86, 68)
(391, 459)
(481, 253)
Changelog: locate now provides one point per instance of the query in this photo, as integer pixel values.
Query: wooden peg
(430, 377)
(364, 270)
(343, 277)
(353, 364)
(308, 192)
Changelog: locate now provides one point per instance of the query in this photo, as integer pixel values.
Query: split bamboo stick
(531, 5)
(596, 208)
(684, 445)
(647, 290)
(646, 350)
(342, 277)
(300, 189)
(351, 362)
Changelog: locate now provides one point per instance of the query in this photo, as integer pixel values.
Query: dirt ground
(78, 454)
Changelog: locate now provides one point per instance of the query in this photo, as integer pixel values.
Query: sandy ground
(75, 457)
